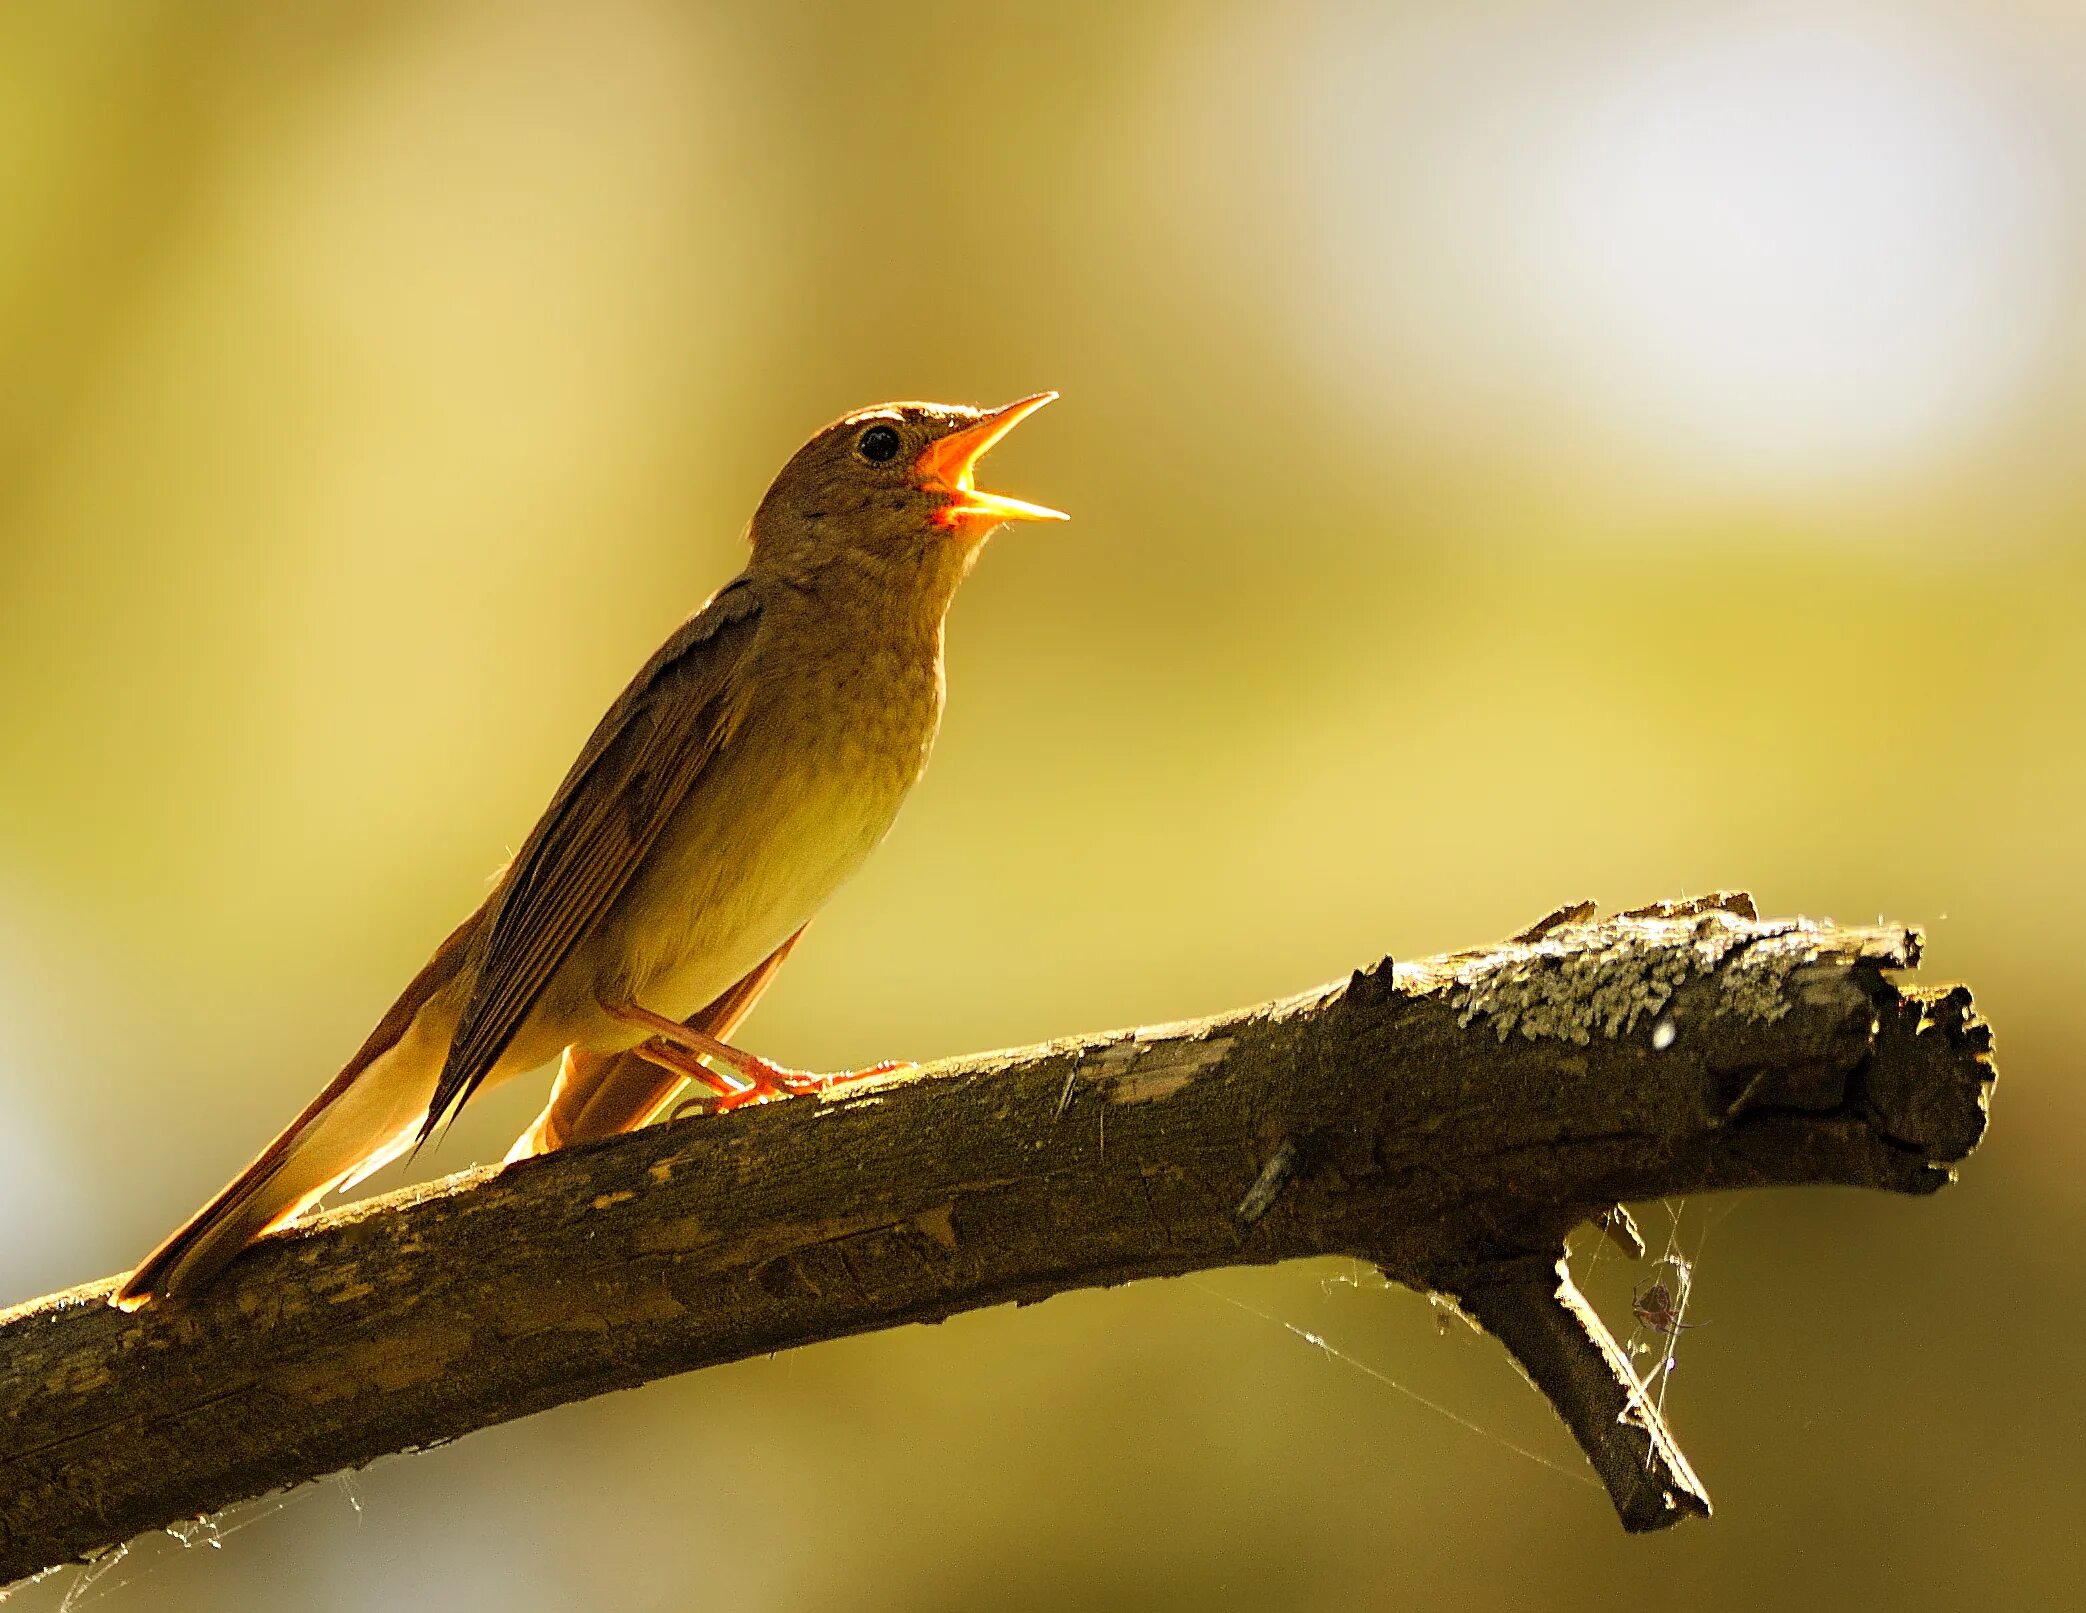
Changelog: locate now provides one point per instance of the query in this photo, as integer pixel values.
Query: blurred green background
(1518, 451)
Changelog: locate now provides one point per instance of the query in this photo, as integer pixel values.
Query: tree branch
(1450, 1121)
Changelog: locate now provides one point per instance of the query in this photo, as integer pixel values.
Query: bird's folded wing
(636, 769)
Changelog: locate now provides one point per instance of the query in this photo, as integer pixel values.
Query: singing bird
(748, 769)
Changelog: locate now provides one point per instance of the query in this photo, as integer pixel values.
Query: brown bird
(749, 768)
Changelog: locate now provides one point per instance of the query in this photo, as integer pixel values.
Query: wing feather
(635, 770)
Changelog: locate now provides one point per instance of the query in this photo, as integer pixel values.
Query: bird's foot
(773, 1082)
(752, 1079)
(767, 1081)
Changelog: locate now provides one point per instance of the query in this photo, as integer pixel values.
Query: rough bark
(1449, 1120)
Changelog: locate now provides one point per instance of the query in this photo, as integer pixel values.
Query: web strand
(1319, 1342)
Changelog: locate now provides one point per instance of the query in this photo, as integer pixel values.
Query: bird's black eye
(879, 444)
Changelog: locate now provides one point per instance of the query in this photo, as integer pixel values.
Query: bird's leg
(765, 1080)
(670, 1056)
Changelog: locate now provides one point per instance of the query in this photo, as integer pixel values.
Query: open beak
(948, 463)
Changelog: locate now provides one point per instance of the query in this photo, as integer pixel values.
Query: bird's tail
(368, 1115)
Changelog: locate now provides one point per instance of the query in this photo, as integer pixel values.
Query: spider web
(1356, 1279)
(96, 1580)
(1652, 1345)
(1653, 1352)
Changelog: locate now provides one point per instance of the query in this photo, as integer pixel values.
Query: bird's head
(890, 490)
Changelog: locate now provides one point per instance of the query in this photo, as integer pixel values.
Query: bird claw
(750, 1079)
(768, 1082)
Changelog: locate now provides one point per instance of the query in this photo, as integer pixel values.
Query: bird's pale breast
(788, 809)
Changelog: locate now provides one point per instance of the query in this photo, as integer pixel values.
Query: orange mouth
(948, 463)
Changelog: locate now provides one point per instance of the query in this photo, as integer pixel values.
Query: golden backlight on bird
(950, 461)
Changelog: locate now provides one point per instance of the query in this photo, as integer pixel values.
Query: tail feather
(367, 1116)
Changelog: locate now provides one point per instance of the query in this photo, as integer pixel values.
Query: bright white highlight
(1760, 249)
(1801, 252)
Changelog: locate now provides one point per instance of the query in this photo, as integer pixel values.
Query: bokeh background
(1519, 451)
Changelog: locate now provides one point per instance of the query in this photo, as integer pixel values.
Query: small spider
(1653, 1304)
